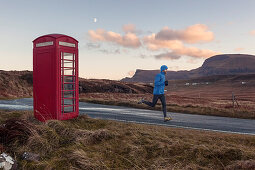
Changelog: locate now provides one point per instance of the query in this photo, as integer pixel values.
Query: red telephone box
(55, 77)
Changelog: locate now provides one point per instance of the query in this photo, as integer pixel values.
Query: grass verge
(85, 143)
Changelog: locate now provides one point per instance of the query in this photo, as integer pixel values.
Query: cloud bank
(129, 28)
(193, 34)
(177, 47)
(252, 32)
(166, 39)
(168, 56)
(127, 40)
(238, 49)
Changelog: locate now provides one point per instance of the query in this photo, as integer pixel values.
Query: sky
(118, 37)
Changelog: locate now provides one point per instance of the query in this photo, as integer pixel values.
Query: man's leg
(154, 101)
(163, 102)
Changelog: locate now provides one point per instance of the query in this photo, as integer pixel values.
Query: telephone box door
(68, 81)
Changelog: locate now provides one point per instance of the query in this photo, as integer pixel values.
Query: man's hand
(166, 83)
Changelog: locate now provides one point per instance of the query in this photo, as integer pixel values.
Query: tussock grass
(85, 143)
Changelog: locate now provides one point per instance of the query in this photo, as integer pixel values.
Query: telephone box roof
(56, 36)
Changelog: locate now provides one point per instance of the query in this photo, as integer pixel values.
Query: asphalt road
(211, 123)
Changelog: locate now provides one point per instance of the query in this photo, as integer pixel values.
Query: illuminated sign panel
(66, 44)
(44, 44)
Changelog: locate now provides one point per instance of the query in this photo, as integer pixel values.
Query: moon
(95, 20)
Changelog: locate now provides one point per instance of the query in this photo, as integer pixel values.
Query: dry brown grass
(14, 84)
(85, 143)
(249, 164)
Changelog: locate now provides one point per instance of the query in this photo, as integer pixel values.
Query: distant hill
(227, 64)
(111, 86)
(15, 84)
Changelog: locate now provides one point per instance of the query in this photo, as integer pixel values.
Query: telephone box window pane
(68, 94)
(68, 109)
(67, 63)
(68, 56)
(69, 79)
(68, 87)
(68, 71)
(68, 101)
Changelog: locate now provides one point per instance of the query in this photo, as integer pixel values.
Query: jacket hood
(163, 67)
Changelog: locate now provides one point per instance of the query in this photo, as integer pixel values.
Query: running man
(158, 91)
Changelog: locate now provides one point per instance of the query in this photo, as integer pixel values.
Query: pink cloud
(252, 32)
(166, 39)
(195, 52)
(239, 49)
(131, 73)
(168, 56)
(177, 47)
(155, 44)
(128, 40)
(129, 28)
(173, 68)
(193, 34)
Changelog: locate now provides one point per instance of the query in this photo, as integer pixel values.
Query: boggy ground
(85, 143)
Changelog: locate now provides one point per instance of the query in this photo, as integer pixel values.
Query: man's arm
(159, 81)
(166, 83)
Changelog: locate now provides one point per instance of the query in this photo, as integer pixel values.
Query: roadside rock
(29, 156)
(7, 162)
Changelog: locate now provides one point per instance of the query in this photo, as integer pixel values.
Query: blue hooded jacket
(159, 83)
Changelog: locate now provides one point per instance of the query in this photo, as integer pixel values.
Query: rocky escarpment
(227, 64)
